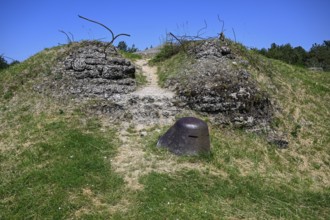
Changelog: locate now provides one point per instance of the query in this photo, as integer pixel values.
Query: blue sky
(29, 26)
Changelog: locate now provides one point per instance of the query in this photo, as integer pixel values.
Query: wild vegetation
(57, 160)
(4, 64)
(317, 56)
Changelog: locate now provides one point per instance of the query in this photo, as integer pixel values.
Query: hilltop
(80, 122)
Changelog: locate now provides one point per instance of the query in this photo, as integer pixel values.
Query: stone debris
(216, 83)
(213, 85)
(89, 71)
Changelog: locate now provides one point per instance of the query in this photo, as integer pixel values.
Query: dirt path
(152, 88)
(152, 107)
(132, 161)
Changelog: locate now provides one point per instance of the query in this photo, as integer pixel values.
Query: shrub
(3, 63)
(167, 51)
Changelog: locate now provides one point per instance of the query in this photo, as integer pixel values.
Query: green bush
(167, 51)
(3, 63)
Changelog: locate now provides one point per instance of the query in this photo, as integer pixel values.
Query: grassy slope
(56, 161)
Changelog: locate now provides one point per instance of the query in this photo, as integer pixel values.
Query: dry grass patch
(135, 159)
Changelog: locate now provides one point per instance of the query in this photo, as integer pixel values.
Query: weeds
(140, 79)
(171, 67)
(130, 56)
(166, 52)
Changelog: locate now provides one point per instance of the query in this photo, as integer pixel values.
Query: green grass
(56, 160)
(167, 51)
(244, 177)
(171, 67)
(49, 178)
(191, 195)
(17, 77)
(130, 56)
(262, 181)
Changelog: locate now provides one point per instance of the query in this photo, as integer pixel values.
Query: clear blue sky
(29, 26)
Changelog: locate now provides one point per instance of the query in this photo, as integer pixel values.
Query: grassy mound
(56, 160)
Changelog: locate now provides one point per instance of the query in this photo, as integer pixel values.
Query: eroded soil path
(130, 160)
(152, 88)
